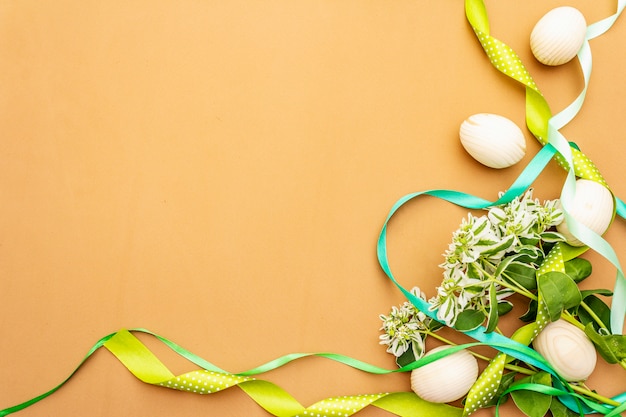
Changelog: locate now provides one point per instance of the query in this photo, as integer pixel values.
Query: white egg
(447, 379)
(567, 349)
(592, 206)
(492, 140)
(558, 36)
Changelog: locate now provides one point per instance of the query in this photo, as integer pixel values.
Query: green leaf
(559, 292)
(532, 403)
(546, 247)
(492, 318)
(407, 357)
(559, 410)
(530, 255)
(531, 313)
(578, 269)
(522, 273)
(504, 262)
(434, 325)
(469, 320)
(474, 272)
(504, 307)
(599, 291)
(532, 241)
(551, 237)
(612, 347)
(599, 308)
(493, 248)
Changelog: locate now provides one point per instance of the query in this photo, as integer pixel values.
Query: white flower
(474, 237)
(471, 270)
(404, 328)
(526, 218)
(458, 292)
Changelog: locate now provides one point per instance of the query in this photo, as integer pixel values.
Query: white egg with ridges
(492, 140)
(447, 379)
(592, 206)
(567, 349)
(558, 36)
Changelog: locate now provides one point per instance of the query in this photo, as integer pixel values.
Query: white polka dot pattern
(505, 60)
(204, 382)
(552, 263)
(340, 406)
(486, 386)
(208, 382)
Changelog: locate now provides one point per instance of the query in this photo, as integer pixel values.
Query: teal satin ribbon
(523, 182)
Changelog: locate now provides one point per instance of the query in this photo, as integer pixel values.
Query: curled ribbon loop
(144, 365)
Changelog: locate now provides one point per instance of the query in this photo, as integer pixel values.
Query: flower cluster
(490, 255)
(405, 328)
(490, 258)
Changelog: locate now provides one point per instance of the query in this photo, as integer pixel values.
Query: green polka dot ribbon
(144, 365)
(538, 113)
(486, 386)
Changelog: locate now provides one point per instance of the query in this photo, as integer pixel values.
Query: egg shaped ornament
(447, 379)
(558, 36)
(592, 206)
(492, 140)
(567, 349)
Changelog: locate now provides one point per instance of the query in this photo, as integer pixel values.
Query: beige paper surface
(218, 172)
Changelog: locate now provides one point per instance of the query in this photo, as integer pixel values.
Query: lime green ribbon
(209, 379)
(144, 365)
(538, 113)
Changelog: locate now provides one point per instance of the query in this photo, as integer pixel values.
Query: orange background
(218, 172)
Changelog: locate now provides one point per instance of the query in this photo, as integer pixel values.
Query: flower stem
(517, 288)
(485, 358)
(593, 315)
(594, 395)
(513, 286)
(567, 316)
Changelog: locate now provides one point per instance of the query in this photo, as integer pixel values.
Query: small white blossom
(480, 244)
(404, 328)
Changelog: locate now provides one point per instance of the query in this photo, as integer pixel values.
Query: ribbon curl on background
(146, 367)
(142, 363)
